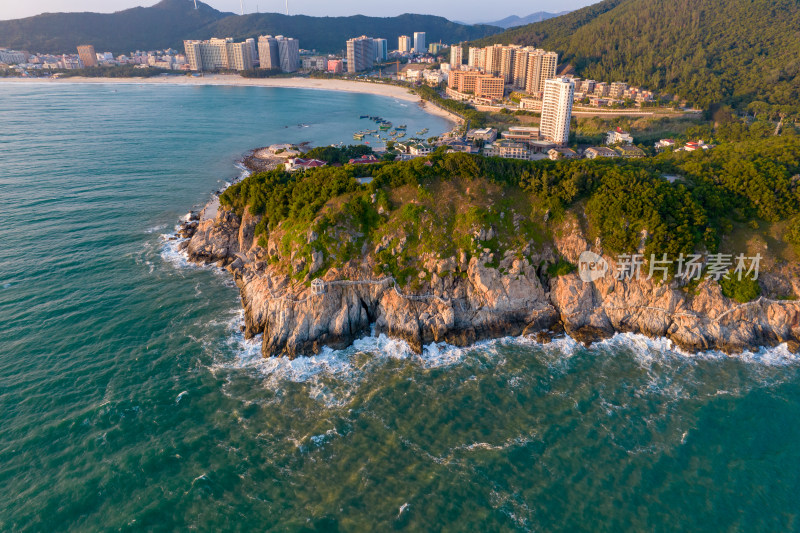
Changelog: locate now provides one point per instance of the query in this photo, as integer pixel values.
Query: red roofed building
(297, 163)
(364, 160)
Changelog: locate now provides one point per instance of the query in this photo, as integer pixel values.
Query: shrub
(560, 268)
(743, 291)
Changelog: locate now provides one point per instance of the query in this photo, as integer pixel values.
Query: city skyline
(469, 11)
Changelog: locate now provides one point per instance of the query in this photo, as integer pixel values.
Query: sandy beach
(380, 89)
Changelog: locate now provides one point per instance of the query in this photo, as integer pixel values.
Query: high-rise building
(360, 54)
(381, 50)
(239, 56)
(557, 110)
(419, 42)
(541, 67)
(216, 54)
(268, 55)
(289, 52)
(404, 43)
(519, 68)
(253, 50)
(456, 56)
(88, 55)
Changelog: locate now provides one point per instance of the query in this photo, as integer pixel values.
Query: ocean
(129, 399)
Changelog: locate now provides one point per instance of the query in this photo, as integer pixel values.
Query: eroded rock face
(464, 300)
(707, 320)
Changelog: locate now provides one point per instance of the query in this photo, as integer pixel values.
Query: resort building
(483, 134)
(472, 82)
(557, 110)
(268, 55)
(593, 152)
(218, 54)
(507, 149)
(289, 53)
(360, 54)
(88, 55)
(521, 133)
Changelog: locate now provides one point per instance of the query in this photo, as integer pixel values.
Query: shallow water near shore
(130, 400)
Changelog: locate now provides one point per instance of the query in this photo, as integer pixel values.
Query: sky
(459, 10)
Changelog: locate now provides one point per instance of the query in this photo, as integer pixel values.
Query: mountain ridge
(169, 22)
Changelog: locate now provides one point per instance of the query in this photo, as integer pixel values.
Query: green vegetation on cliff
(451, 204)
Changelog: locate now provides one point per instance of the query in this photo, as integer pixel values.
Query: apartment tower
(456, 56)
(419, 42)
(557, 110)
(360, 54)
(404, 43)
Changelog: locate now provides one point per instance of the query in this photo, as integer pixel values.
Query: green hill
(738, 52)
(169, 22)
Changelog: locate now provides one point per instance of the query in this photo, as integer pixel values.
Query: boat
(401, 135)
(385, 126)
(401, 127)
(358, 136)
(364, 116)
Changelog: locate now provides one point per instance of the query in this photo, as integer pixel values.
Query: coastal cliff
(461, 299)
(457, 248)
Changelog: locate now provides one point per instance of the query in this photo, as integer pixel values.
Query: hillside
(737, 52)
(160, 26)
(169, 22)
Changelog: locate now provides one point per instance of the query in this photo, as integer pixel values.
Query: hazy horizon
(471, 11)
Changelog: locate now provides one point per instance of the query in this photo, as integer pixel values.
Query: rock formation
(464, 301)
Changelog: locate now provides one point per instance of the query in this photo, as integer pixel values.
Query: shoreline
(322, 84)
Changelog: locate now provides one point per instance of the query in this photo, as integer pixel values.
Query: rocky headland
(466, 297)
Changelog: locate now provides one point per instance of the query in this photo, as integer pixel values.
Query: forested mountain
(169, 22)
(745, 53)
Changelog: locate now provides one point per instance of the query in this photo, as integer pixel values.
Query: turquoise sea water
(129, 401)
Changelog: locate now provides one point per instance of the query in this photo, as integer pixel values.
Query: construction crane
(396, 63)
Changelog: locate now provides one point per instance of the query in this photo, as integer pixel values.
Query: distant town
(494, 78)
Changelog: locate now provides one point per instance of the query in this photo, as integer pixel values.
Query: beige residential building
(88, 55)
(477, 58)
(360, 54)
(404, 43)
(476, 83)
(456, 56)
(557, 110)
(541, 67)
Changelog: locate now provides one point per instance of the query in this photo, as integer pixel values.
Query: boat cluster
(384, 126)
